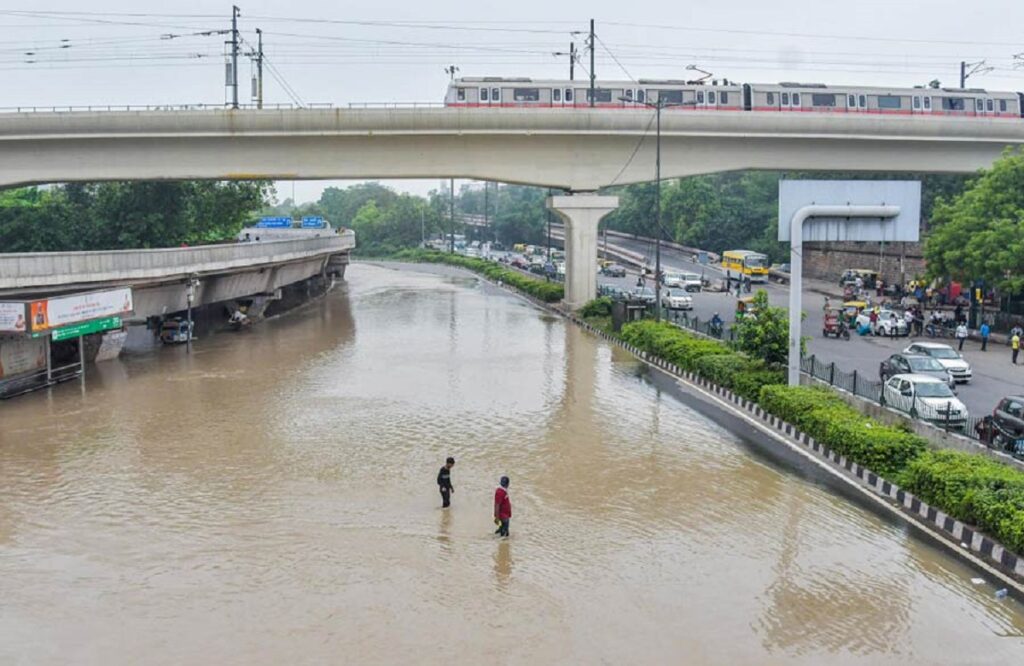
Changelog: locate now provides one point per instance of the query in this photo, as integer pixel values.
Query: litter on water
(978, 581)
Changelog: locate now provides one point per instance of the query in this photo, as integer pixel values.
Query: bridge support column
(581, 214)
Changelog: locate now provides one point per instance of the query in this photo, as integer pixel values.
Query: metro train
(493, 92)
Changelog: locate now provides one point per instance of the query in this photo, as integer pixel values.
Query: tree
(979, 234)
(764, 332)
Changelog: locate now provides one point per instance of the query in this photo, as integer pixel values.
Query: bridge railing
(201, 106)
(49, 269)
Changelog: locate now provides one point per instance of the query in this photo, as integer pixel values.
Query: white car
(925, 397)
(885, 323)
(676, 300)
(686, 281)
(950, 358)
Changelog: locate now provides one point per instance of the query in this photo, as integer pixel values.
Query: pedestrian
(828, 304)
(893, 325)
(444, 482)
(961, 334)
(1015, 346)
(859, 284)
(984, 332)
(502, 507)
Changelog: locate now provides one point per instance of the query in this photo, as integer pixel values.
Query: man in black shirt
(444, 482)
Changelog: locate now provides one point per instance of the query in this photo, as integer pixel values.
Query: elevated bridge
(577, 151)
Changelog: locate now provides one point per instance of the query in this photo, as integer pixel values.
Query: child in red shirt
(502, 507)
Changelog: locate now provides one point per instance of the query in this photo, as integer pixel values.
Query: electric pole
(963, 73)
(259, 69)
(572, 61)
(969, 69)
(235, 13)
(451, 216)
(592, 45)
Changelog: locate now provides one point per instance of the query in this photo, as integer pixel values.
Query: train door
(796, 102)
(926, 104)
(485, 97)
(702, 99)
(712, 99)
(851, 104)
(495, 96)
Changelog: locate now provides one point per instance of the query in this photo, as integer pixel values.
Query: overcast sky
(146, 52)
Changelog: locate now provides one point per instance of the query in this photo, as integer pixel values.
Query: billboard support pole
(49, 362)
(796, 231)
(81, 355)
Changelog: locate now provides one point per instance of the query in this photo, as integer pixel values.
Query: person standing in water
(502, 507)
(444, 483)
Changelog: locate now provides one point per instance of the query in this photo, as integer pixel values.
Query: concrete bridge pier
(581, 214)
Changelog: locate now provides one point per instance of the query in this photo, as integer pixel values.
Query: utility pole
(487, 190)
(963, 73)
(592, 49)
(235, 13)
(969, 69)
(548, 210)
(572, 61)
(259, 69)
(451, 216)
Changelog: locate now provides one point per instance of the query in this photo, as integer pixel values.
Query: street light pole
(657, 214)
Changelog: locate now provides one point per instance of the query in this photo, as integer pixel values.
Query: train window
(928, 103)
(851, 101)
(556, 94)
(771, 99)
(796, 99)
(989, 105)
(863, 100)
(460, 94)
(568, 94)
(785, 99)
(672, 96)
(526, 94)
(917, 102)
(600, 95)
(979, 105)
(952, 104)
(1002, 106)
(495, 94)
(640, 97)
(823, 100)
(629, 95)
(890, 102)
(723, 97)
(711, 97)
(700, 96)
(483, 94)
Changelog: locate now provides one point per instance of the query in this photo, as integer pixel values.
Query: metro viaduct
(578, 151)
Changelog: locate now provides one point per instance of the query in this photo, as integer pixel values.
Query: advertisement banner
(19, 355)
(12, 318)
(65, 310)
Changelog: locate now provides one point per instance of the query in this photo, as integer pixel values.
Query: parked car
(645, 294)
(781, 268)
(614, 270)
(1008, 423)
(676, 300)
(688, 281)
(884, 324)
(925, 397)
(900, 363)
(950, 359)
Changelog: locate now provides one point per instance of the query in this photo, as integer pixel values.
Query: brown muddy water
(271, 499)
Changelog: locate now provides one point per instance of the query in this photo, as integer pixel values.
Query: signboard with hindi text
(65, 310)
(12, 318)
(78, 330)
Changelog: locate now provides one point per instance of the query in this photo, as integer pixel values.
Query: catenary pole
(235, 12)
(593, 48)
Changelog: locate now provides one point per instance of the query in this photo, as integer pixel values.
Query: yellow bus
(744, 263)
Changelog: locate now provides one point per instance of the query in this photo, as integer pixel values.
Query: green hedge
(883, 449)
(671, 343)
(975, 489)
(549, 292)
(739, 373)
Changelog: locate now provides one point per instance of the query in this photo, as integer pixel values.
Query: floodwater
(271, 499)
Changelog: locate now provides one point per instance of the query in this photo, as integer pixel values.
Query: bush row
(549, 292)
(970, 487)
(709, 358)
(975, 489)
(820, 413)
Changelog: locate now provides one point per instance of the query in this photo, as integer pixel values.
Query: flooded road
(271, 499)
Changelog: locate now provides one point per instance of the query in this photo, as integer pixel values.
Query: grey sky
(115, 53)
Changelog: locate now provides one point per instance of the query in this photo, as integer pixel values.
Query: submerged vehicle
(177, 331)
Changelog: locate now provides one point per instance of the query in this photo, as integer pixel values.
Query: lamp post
(657, 105)
(190, 295)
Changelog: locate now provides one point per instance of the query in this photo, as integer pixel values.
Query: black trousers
(1015, 352)
(984, 344)
(446, 497)
(503, 528)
